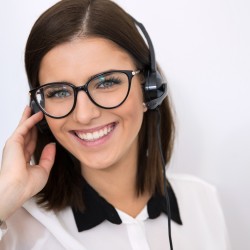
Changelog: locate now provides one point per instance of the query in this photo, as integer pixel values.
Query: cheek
(136, 97)
(134, 106)
(55, 126)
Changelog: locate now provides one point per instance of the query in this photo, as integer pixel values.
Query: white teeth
(95, 135)
(101, 133)
(105, 131)
(89, 136)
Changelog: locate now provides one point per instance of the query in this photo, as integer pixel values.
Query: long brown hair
(61, 23)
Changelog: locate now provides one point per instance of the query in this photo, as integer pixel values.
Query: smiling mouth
(95, 135)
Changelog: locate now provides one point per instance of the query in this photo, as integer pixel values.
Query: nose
(85, 110)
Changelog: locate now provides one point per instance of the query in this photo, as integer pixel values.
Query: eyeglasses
(107, 90)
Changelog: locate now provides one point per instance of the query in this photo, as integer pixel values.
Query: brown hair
(102, 18)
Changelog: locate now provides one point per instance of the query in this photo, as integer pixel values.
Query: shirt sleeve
(3, 230)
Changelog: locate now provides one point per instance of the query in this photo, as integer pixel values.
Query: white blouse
(32, 228)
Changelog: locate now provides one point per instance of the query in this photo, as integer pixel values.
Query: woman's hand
(19, 180)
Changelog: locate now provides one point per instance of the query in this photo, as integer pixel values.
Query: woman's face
(115, 130)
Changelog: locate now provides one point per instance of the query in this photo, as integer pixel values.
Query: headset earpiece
(155, 89)
(42, 125)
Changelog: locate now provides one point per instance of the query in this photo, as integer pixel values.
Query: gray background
(204, 49)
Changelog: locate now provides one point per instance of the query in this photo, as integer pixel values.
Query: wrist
(10, 199)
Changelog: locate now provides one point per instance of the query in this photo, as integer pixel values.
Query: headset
(155, 91)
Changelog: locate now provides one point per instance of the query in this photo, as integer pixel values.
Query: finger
(26, 113)
(39, 174)
(25, 127)
(47, 157)
(30, 144)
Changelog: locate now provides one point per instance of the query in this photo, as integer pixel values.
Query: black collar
(98, 209)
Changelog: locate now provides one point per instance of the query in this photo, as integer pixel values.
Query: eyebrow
(101, 73)
(88, 79)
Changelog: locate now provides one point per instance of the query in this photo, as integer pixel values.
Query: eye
(58, 93)
(107, 82)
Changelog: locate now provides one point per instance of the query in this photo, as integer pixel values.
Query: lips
(95, 135)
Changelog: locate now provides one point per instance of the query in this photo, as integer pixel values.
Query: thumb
(39, 174)
(48, 157)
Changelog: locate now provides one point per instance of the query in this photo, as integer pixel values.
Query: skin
(109, 164)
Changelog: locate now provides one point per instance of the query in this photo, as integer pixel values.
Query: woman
(97, 179)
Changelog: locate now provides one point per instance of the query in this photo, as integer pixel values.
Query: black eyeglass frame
(130, 74)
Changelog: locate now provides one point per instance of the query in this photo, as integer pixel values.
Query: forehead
(79, 59)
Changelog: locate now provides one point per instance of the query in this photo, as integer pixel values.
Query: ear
(144, 107)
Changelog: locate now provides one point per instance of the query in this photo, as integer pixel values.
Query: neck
(114, 182)
(117, 184)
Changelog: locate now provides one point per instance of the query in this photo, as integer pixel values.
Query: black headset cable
(164, 178)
